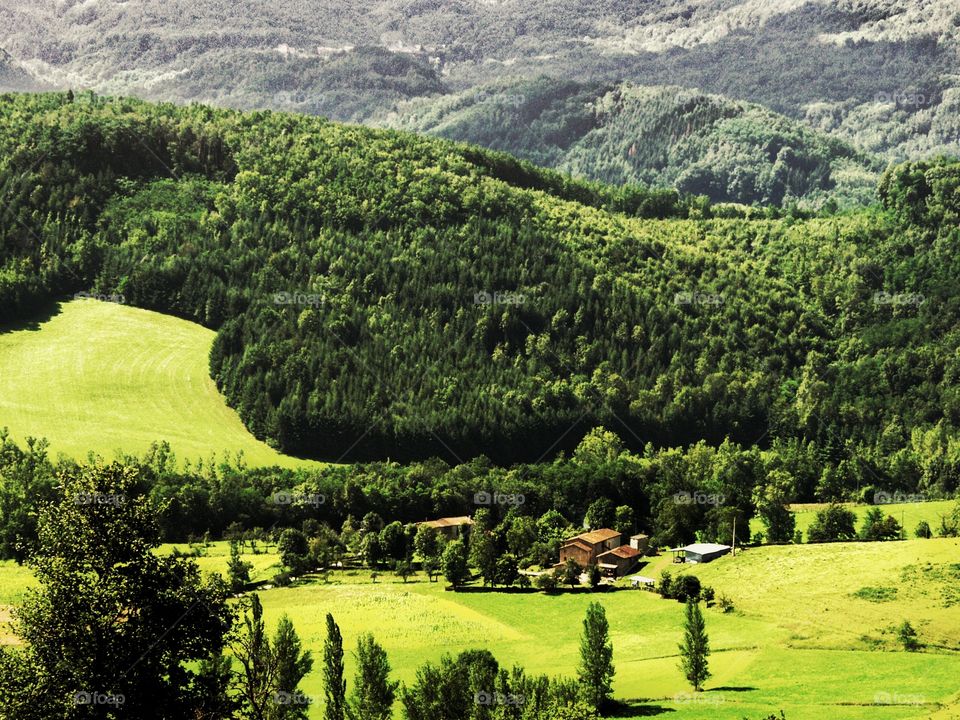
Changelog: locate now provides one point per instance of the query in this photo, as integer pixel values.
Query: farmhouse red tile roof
(624, 551)
(596, 536)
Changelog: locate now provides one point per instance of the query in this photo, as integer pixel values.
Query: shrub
(546, 582)
(725, 603)
(923, 530)
(707, 594)
(908, 636)
(282, 579)
(686, 587)
(878, 527)
(832, 524)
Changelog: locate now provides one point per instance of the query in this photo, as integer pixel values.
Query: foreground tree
(113, 623)
(270, 673)
(373, 692)
(596, 657)
(695, 647)
(292, 664)
(334, 686)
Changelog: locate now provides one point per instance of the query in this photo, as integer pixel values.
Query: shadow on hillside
(635, 708)
(40, 315)
(732, 688)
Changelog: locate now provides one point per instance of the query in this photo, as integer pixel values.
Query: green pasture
(105, 377)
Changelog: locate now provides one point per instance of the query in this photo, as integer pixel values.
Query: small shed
(640, 542)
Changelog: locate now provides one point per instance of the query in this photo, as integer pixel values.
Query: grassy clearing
(105, 377)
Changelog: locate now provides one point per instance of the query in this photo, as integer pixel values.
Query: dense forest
(621, 133)
(378, 294)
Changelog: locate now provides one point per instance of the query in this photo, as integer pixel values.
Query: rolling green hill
(625, 134)
(379, 294)
(101, 377)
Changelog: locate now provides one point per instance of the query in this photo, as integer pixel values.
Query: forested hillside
(378, 294)
(701, 144)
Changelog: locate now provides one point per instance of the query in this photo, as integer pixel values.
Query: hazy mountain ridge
(880, 74)
(695, 142)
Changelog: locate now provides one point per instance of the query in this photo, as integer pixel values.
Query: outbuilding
(699, 552)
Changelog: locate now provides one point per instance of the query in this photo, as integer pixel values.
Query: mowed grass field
(105, 377)
(909, 514)
(803, 636)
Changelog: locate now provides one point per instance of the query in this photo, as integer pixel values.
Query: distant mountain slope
(14, 77)
(382, 294)
(878, 72)
(729, 150)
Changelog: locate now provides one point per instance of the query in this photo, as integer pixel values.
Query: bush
(546, 582)
(878, 527)
(686, 587)
(923, 530)
(832, 524)
(725, 603)
(707, 594)
(282, 579)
